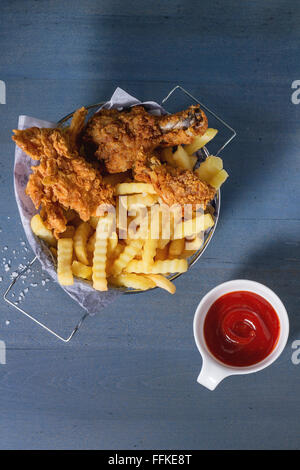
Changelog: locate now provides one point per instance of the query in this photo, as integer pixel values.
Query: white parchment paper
(81, 291)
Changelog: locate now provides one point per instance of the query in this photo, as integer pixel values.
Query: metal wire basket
(215, 205)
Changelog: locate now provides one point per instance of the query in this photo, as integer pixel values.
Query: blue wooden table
(128, 378)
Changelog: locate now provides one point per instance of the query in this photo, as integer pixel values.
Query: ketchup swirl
(241, 328)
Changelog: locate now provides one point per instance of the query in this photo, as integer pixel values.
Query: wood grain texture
(128, 379)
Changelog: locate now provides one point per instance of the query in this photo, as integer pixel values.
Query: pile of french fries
(135, 247)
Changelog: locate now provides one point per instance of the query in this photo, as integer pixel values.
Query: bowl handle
(211, 374)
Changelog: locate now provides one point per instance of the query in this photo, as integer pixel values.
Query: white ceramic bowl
(214, 371)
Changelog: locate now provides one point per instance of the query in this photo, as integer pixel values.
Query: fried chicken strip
(117, 137)
(63, 179)
(174, 185)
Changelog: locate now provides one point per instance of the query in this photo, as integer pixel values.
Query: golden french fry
(187, 253)
(197, 224)
(112, 256)
(81, 270)
(219, 179)
(209, 168)
(149, 252)
(100, 253)
(112, 243)
(90, 246)
(40, 230)
(183, 160)
(200, 141)
(64, 261)
(194, 243)
(133, 247)
(158, 267)
(136, 281)
(208, 222)
(133, 188)
(82, 233)
(176, 247)
(144, 200)
(162, 282)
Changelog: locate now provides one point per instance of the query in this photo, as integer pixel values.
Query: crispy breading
(116, 137)
(174, 185)
(63, 179)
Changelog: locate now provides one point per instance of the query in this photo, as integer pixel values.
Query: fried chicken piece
(117, 137)
(174, 185)
(63, 179)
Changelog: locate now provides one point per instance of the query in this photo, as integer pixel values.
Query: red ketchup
(241, 328)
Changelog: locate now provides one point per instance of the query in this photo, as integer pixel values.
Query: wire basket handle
(233, 132)
(52, 332)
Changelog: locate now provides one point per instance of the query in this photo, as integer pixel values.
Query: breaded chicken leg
(117, 136)
(174, 185)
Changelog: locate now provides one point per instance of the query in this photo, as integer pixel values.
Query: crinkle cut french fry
(200, 141)
(112, 243)
(135, 281)
(81, 270)
(40, 230)
(149, 252)
(158, 267)
(162, 282)
(64, 261)
(80, 238)
(100, 253)
(133, 188)
(126, 256)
